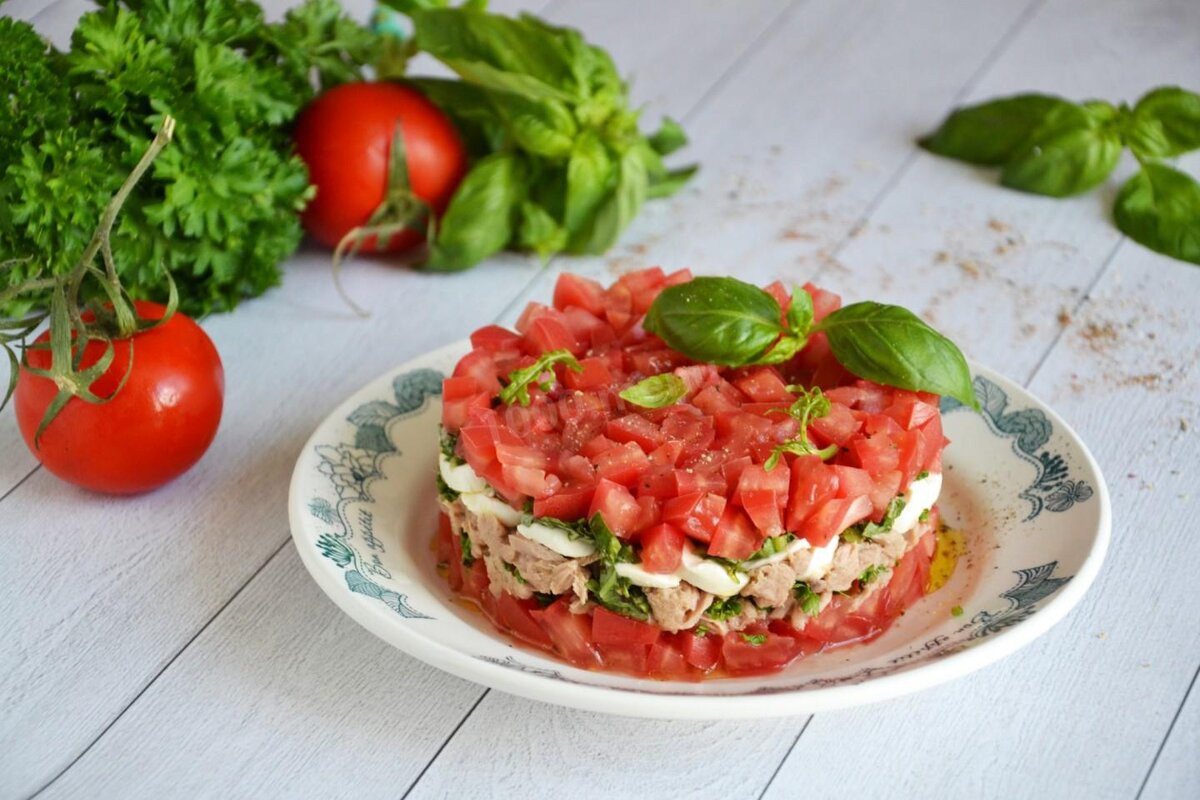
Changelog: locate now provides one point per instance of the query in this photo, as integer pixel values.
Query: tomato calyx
(400, 210)
(107, 315)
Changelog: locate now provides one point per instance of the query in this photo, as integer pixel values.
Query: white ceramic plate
(1021, 484)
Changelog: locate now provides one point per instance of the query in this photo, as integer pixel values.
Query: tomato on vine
(117, 396)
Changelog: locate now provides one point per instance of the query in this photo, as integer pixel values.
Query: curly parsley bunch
(218, 209)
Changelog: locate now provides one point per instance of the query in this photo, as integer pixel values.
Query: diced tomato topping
(853, 482)
(833, 517)
(696, 514)
(623, 463)
(813, 483)
(497, 341)
(763, 509)
(630, 658)
(597, 445)
(617, 506)
(736, 536)
(662, 548)
(763, 385)
(568, 504)
(651, 515)
(635, 428)
(595, 375)
(516, 455)
(530, 480)
(910, 411)
(478, 364)
(836, 427)
(877, 453)
(548, 333)
(578, 291)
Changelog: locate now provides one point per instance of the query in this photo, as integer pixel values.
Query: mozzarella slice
(919, 498)
(558, 540)
(710, 576)
(822, 560)
(639, 576)
(481, 504)
(460, 477)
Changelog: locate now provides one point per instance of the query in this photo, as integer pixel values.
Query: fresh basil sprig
(733, 323)
(810, 404)
(1051, 146)
(517, 389)
(560, 163)
(658, 391)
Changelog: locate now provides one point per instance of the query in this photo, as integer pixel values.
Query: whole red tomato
(155, 428)
(345, 138)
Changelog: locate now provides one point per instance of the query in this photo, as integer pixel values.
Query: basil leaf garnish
(991, 133)
(1165, 123)
(891, 345)
(1073, 150)
(718, 320)
(658, 391)
(1160, 208)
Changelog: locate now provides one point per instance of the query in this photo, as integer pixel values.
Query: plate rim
(635, 703)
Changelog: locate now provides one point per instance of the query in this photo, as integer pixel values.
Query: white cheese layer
(558, 540)
(460, 477)
(821, 559)
(919, 498)
(481, 504)
(640, 576)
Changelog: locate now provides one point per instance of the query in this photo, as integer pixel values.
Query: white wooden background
(172, 645)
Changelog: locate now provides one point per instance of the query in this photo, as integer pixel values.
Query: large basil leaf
(498, 52)
(1073, 150)
(991, 133)
(1165, 123)
(668, 138)
(539, 231)
(482, 214)
(589, 175)
(718, 320)
(891, 345)
(1160, 208)
(543, 127)
(618, 209)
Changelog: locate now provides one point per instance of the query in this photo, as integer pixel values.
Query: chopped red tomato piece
(833, 517)
(570, 633)
(617, 506)
(735, 537)
(610, 628)
(576, 290)
(662, 548)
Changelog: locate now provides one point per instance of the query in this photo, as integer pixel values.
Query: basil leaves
(1051, 146)
(559, 162)
(732, 323)
(658, 391)
(609, 589)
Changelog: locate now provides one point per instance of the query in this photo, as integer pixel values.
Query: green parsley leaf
(724, 608)
(869, 529)
(517, 389)
(755, 639)
(810, 601)
(700, 630)
(871, 573)
(924, 517)
(609, 589)
(922, 475)
(957, 611)
(465, 542)
(772, 546)
(516, 573)
(444, 491)
(580, 530)
(658, 391)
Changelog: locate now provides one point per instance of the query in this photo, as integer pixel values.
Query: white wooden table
(172, 645)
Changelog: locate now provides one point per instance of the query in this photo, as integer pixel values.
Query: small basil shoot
(517, 389)
(810, 404)
(609, 589)
(658, 391)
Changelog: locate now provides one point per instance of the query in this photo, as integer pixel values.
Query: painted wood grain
(291, 698)
(157, 568)
(1176, 770)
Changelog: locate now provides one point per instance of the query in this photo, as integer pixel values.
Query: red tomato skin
(159, 424)
(345, 139)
